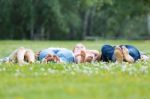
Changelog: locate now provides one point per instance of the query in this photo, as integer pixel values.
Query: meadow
(74, 81)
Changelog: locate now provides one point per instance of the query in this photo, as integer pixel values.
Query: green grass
(74, 81)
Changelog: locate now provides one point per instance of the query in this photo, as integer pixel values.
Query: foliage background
(74, 19)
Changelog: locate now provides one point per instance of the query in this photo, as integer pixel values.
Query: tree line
(74, 19)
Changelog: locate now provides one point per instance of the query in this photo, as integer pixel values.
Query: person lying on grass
(120, 53)
(56, 55)
(82, 54)
(21, 56)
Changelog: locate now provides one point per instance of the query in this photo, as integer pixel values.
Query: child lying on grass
(82, 54)
(21, 56)
(127, 53)
(62, 55)
(57, 55)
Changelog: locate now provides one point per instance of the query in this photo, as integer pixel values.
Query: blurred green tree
(74, 19)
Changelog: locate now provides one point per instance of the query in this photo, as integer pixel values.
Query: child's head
(79, 47)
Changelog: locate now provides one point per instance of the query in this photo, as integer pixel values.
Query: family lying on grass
(80, 54)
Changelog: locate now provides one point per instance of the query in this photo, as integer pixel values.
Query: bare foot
(83, 55)
(126, 55)
(30, 56)
(20, 55)
(118, 54)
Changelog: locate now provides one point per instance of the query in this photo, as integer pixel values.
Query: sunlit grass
(67, 81)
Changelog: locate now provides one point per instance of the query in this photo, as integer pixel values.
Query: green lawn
(74, 81)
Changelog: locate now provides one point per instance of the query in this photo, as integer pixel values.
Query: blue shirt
(107, 53)
(64, 54)
(134, 52)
